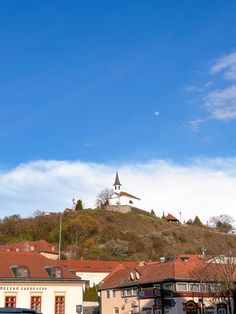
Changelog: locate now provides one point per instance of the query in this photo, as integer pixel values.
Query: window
(113, 293)
(36, 303)
(168, 286)
(134, 291)
(128, 292)
(22, 272)
(10, 301)
(115, 310)
(194, 287)
(182, 287)
(55, 272)
(130, 202)
(108, 294)
(59, 305)
(32, 248)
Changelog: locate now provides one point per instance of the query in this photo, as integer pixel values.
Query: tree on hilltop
(103, 198)
(79, 206)
(222, 223)
(197, 222)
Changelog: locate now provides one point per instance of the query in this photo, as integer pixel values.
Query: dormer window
(54, 272)
(20, 271)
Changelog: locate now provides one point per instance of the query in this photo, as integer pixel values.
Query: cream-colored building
(30, 280)
(168, 287)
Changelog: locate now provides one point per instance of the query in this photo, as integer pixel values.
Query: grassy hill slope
(102, 234)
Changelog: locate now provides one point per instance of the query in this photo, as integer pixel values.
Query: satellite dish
(132, 276)
(137, 275)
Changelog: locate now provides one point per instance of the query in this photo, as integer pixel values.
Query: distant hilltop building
(120, 200)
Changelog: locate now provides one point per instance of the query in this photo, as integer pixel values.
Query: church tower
(117, 184)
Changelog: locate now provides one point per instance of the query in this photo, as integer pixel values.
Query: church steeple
(117, 184)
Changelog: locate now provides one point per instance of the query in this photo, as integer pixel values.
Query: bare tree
(217, 277)
(222, 223)
(103, 197)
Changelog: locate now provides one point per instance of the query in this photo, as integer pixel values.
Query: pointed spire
(117, 184)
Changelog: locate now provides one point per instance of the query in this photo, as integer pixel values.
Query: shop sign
(190, 305)
(23, 288)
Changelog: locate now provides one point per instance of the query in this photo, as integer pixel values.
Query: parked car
(7, 310)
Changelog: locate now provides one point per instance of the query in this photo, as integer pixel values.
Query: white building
(92, 272)
(122, 198)
(29, 280)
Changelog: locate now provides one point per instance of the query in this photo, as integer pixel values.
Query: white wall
(73, 295)
(93, 278)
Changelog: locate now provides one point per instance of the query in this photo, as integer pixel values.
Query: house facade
(29, 280)
(167, 287)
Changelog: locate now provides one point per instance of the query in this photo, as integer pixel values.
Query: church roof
(117, 180)
(126, 194)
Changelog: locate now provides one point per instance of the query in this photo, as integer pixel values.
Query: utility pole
(59, 246)
(162, 300)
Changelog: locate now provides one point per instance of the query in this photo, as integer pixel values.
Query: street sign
(146, 294)
(79, 308)
(169, 303)
(168, 293)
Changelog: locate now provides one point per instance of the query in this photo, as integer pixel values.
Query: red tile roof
(39, 246)
(128, 195)
(94, 266)
(34, 261)
(180, 268)
(170, 217)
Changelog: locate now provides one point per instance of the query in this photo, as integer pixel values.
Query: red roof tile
(180, 268)
(170, 217)
(34, 261)
(128, 195)
(94, 266)
(39, 246)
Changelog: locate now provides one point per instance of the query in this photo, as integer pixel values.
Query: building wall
(52, 256)
(123, 200)
(93, 278)
(147, 306)
(72, 292)
(109, 304)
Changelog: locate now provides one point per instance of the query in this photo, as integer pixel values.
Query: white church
(121, 198)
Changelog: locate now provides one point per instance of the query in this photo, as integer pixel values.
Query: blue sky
(116, 82)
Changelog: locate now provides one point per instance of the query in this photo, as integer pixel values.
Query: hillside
(101, 234)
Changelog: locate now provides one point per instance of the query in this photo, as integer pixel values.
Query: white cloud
(195, 124)
(157, 113)
(225, 65)
(221, 104)
(218, 94)
(204, 187)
